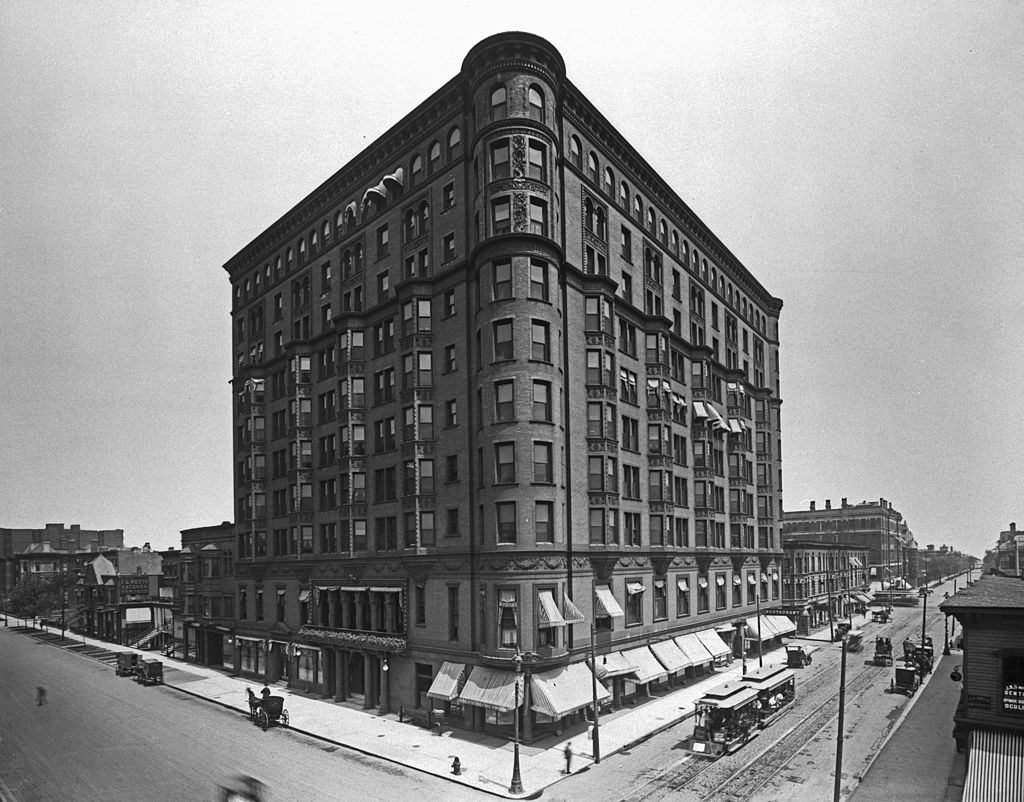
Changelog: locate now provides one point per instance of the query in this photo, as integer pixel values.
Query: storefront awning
(862, 597)
(562, 690)
(648, 669)
(547, 610)
(712, 642)
(782, 624)
(690, 645)
(606, 604)
(670, 656)
(491, 688)
(449, 681)
(767, 632)
(380, 589)
(613, 664)
(995, 766)
(571, 613)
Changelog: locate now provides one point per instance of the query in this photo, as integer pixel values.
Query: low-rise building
(989, 721)
(120, 598)
(205, 620)
(823, 580)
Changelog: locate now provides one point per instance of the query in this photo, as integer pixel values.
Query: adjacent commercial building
(205, 617)
(823, 582)
(989, 721)
(495, 384)
(50, 549)
(874, 525)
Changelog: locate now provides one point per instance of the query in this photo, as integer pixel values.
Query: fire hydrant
(456, 767)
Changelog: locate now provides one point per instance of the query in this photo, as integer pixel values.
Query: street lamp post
(593, 687)
(837, 788)
(516, 787)
(743, 652)
(757, 600)
(925, 593)
(831, 627)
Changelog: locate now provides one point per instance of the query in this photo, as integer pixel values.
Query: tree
(34, 597)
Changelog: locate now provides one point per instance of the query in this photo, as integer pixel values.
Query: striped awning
(613, 664)
(606, 604)
(547, 610)
(690, 645)
(713, 643)
(995, 766)
(767, 632)
(782, 624)
(570, 612)
(491, 688)
(562, 690)
(670, 656)
(448, 682)
(648, 669)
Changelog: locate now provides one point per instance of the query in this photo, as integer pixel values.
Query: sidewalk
(486, 760)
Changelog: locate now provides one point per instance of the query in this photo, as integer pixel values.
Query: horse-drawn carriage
(797, 655)
(149, 672)
(883, 652)
(905, 681)
(126, 663)
(883, 616)
(271, 711)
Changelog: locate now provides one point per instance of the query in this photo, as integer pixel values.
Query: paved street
(103, 737)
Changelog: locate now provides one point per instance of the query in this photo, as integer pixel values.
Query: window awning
(351, 588)
(634, 587)
(448, 682)
(737, 581)
(327, 588)
(764, 577)
(379, 589)
(570, 612)
(720, 580)
(562, 690)
(648, 669)
(690, 645)
(683, 586)
(714, 644)
(995, 766)
(751, 580)
(547, 611)
(713, 413)
(491, 688)
(606, 604)
(699, 410)
(702, 581)
(613, 664)
(303, 595)
(280, 591)
(736, 426)
(670, 656)
(855, 563)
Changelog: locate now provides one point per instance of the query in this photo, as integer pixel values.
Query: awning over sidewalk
(648, 669)
(606, 604)
(782, 624)
(767, 631)
(613, 664)
(562, 690)
(449, 681)
(862, 597)
(713, 643)
(491, 688)
(670, 656)
(690, 645)
(995, 766)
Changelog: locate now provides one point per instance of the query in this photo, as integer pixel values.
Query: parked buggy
(880, 617)
(883, 652)
(906, 681)
(272, 712)
(149, 672)
(126, 663)
(797, 656)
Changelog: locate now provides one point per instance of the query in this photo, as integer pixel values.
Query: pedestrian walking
(40, 695)
(568, 758)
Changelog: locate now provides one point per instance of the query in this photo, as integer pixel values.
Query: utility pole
(839, 736)
(593, 687)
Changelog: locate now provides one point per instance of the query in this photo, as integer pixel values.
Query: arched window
(277, 267)
(499, 103)
(314, 241)
(623, 195)
(592, 166)
(663, 232)
(433, 158)
(651, 219)
(714, 277)
(729, 294)
(302, 247)
(339, 221)
(743, 306)
(357, 254)
(424, 216)
(536, 97)
(346, 264)
(454, 144)
(675, 242)
(410, 225)
(588, 214)
(638, 209)
(609, 182)
(415, 170)
(574, 150)
(602, 229)
(350, 218)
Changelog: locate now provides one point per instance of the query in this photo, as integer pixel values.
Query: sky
(862, 159)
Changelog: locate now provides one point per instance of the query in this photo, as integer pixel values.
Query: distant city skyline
(858, 159)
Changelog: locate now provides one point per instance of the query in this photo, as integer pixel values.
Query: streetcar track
(689, 772)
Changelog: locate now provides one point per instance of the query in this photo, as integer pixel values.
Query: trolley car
(726, 719)
(776, 690)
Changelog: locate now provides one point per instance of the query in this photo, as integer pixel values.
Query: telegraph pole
(839, 735)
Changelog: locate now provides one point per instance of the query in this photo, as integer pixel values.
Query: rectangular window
(538, 217)
(536, 165)
(627, 244)
(503, 349)
(452, 530)
(508, 618)
(453, 613)
(542, 401)
(500, 160)
(682, 597)
(420, 603)
(540, 343)
(502, 287)
(660, 600)
(505, 514)
(448, 197)
(448, 247)
(501, 221)
(542, 468)
(504, 401)
(382, 241)
(634, 602)
(504, 463)
(543, 521)
(538, 280)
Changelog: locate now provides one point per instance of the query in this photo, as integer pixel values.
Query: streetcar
(726, 718)
(776, 690)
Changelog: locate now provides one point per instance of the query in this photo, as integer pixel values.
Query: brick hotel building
(495, 383)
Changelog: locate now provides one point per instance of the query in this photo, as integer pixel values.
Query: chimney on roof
(1013, 526)
(828, 504)
(812, 506)
(844, 503)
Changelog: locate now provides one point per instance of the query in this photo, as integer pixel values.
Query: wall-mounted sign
(976, 702)
(135, 585)
(1013, 698)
